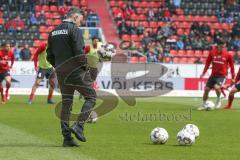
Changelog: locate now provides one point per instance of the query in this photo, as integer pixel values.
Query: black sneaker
(70, 143)
(49, 101)
(78, 132)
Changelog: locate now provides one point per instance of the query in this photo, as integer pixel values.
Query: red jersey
(4, 58)
(220, 61)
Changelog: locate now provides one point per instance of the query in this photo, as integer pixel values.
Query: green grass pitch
(32, 132)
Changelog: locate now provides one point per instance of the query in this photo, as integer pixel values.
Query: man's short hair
(74, 10)
(221, 42)
(95, 37)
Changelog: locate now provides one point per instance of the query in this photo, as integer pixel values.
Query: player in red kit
(235, 89)
(220, 60)
(5, 55)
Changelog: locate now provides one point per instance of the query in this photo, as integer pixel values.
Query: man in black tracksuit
(66, 53)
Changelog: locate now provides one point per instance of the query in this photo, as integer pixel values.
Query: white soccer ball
(107, 50)
(185, 138)
(159, 135)
(93, 117)
(192, 129)
(209, 105)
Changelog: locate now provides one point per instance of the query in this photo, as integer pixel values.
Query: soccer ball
(185, 138)
(93, 117)
(209, 105)
(159, 135)
(107, 50)
(192, 129)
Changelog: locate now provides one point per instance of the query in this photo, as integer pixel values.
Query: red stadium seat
(45, 8)
(134, 59)
(181, 53)
(153, 24)
(191, 60)
(75, 3)
(50, 28)
(135, 38)
(141, 37)
(126, 37)
(176, 60)
(42, 29)
(48, 15)
(1, 21)
(83, 3)
(189, 18)
(225, 26)
(190, 53)
(179, 25)
(143, 59)
(136, 23)
(152, 4)
(198, 53)
(142, 17)
(57, 22)
(136, 4)
(44, 36)
(55, 15)
(140, 10)
(181, 18)
(145, 24)
(50, 22)
(144, 10)
(174, 53)
(180, 31)
(114, 9)
(144, 4)
(38, 8)
(205, 19)
(216, 26)
(53, 8)
(213, 19)
(179, 11)
(205, 53)
(113, 3)
(186, 25)
(184, 60)
(37, 43)
(204, 60)
(168, 59)
(133, 17)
